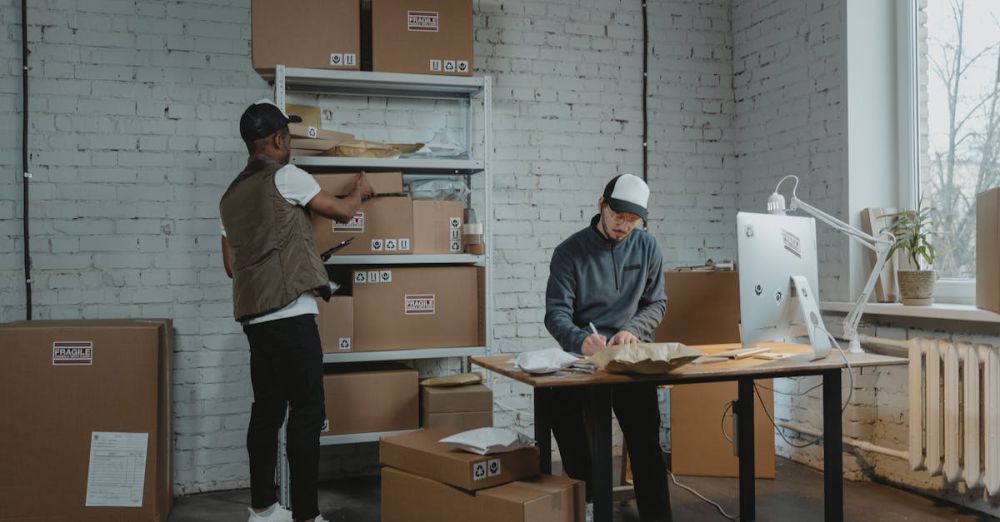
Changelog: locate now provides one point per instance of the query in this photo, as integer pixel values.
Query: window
(954, 52)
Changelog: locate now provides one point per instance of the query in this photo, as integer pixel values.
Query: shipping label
(419, 304)
(423, 21)
(356, 224)
(72, 353)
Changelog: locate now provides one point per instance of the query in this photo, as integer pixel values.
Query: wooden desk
(744, 372)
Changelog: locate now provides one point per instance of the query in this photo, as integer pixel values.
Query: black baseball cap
(627, 193)
(263, 119)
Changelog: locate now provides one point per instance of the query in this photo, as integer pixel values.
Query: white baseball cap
(627, 193)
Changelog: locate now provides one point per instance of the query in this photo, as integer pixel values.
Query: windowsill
(953, 312)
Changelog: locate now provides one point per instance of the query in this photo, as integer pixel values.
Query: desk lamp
(880, 244)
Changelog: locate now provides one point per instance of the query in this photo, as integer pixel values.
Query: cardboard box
(371, 398)
(446, 399)
(302, 131)
(437, 227)
(457, 421)
(341, 184)
(704, 308)
(410, 498)
(317, 34)
(988, 250)
(383, 226)
(311, 115)
(336, 323)
(416, 307)
(420, 453)
(62, 383)
(422, 36)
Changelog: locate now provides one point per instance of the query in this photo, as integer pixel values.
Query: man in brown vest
(268, 250)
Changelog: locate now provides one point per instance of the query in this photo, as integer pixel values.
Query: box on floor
(98, 396)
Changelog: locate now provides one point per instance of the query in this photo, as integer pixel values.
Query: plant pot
(916, 287)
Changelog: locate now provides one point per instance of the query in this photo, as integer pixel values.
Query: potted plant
(913, 230)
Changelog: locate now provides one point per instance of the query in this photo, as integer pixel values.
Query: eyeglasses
(623, 217)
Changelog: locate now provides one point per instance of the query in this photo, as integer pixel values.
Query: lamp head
(776, 204)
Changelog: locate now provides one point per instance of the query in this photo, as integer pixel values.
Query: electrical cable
(699, 495)
(25, 172)
(645, 90)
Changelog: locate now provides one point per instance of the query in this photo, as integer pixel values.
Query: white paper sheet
(117, 470)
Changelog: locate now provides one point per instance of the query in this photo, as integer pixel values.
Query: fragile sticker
(336, 59)
(792, 243)
(344, 344)
(493, 468)
(419, 304)
(404, 244)
(423, 21)
(72, 353)
(356, 224)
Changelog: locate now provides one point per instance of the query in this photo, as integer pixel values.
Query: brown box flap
(477, 397)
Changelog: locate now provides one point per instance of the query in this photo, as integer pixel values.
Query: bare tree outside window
(959, 90)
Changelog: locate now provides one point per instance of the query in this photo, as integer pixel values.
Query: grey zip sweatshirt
(615, 286)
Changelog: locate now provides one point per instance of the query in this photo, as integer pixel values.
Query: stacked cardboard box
(459, 408)
(88, 420)
(371, 398)
(318, 34)
(336, 324)
(382, 226)
(422, 36)
(423, 479)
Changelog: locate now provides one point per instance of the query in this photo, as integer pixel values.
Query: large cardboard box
(988, 250)
(410, 498)
(336, 323)
(704, 308)
(371, 398)
(437, 227)
(399, 308)
(420, 453)
(66, 383)
(422, 36)
(457, 421)
(383, 226)
(317, 34)
(445, 399)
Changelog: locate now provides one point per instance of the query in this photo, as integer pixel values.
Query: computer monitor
(778, 279)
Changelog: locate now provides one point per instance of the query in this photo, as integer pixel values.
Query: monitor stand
(811, 317)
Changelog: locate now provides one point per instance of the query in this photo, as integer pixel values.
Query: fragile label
(792, 243)
(419, 304)
(72, 353)
(344, 343)
(423, 21)
(356, 224)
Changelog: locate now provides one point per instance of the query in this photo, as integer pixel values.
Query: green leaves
(913, 231)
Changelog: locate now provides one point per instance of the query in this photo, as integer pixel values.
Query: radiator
(955, 411)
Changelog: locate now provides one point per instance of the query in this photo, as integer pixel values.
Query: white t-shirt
(298, 188)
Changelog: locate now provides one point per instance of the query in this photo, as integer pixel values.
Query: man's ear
(600, 204)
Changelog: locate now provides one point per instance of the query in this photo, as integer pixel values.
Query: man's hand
(624, 337)
(364, 189)
(593, 344)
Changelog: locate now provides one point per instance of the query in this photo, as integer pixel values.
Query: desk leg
(543, 428)
(600, 447)
(744, 444)
(833, 459)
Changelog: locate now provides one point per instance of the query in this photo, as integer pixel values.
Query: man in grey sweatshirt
(611, 275)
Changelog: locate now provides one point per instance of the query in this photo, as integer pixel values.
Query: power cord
(699, 495)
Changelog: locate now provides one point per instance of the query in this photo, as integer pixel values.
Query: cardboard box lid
(477, 397)
(421, 453)
(547, 498)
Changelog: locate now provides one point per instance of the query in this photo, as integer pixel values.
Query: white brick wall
(134, 138)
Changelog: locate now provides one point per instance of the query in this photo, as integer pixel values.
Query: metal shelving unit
(472, 92)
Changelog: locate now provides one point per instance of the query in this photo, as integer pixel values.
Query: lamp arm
(861, 237)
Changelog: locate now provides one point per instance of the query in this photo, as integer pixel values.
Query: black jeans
(638, 415)
(286, 370)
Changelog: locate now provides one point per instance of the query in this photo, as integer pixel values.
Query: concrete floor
(796, 494)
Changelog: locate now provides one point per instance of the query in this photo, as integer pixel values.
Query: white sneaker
(590, 512)
(319, 518)
(275, 513)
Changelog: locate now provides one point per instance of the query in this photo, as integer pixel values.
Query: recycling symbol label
(359, 277)
(344, 344)
(456, 246)
(311, 132)
(493, 468)
(479, 471)
(390, 245)
(449, 65)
